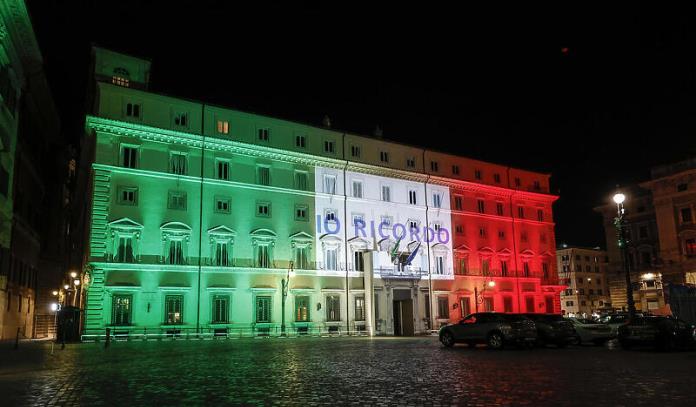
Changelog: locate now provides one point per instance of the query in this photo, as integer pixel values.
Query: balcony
(405, 273)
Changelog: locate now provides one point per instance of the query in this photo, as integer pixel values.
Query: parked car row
(498, 330)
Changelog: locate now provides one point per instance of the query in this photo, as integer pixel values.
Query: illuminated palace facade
(199, 213)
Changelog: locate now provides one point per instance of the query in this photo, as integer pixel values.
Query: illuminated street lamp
(620, 224)
(478, 298)
(73, 274)
(284, 286)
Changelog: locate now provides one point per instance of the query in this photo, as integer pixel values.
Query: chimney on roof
(326, 122)
(378, 132)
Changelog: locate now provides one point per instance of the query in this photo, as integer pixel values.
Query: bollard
(16, 345)
(108, 338)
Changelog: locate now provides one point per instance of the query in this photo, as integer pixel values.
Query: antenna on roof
(326, 122)
(378, 132)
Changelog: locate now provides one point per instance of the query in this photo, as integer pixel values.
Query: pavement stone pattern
(339, 371)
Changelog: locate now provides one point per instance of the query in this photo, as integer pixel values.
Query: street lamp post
(478, 299)
(284, 286)
(620, 223)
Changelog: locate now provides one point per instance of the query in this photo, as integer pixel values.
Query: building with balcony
(584, 273)
(198, 212)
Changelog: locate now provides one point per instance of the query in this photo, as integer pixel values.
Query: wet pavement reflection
(387, 371)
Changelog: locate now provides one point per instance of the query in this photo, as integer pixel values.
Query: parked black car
(553, 329)
(494, 329)
(663, 333)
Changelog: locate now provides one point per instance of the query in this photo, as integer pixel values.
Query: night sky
(591, 92)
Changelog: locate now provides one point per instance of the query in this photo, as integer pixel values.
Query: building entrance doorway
(403, 313)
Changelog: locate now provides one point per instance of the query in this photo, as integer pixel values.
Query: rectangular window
(127, 195)
(301, 180)
(355, 151)
(477, 174)
(263, 258)
(329, 184)
(455, 170)
(501, 234)
(482, 232)
(264, 176)
(439, 265)
(499, 208)
(301, 212)
(545, 270)
(443, 308)
(120, 81)
(437, 200)
(485, 267)
(263, 209)
(520, 212)
(221, 309)
(177, 200)
(263, 309)
(332, 259)
(480, 204)
(358, 261)
(386, 193)
(686, 215)
(458, 203)
(176, 252)
(301, 258)
(121, 309)
(465, 306)
(133, 110)
(181, 119)
(357, 189)
(330, 215)
(300, 141)
(410, 163)
(412, 197)
(173, 309)
(690, 247)
(124, 251)
(459, 229)
(302, 308)
(333, 308)
(222, 169)
(496, 178)
(518, 182)
(359, 308)
(503, 268)
(525, 269)
(222, 257)
(434, 166)
(384, 156)
(129, 157)
(177, 163)
(540, 215)
(488, 304)
(536, 186)
(507, 304)
(329, 147)
(264, 134)
(223, 126)
(529, 304)
(463, 265)
(222, 205)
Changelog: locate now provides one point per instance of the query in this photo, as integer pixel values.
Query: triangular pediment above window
(125, 224)
(439, 248)
(263, 233)
(546, 254)
(222, 230)
(527, 253)
(486, 251)
(175, 227)
(504, 252)
(358, 242)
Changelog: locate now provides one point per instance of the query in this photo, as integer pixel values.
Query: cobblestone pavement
(359, 371)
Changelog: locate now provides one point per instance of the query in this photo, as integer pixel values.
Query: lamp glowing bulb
(54, 307)
(54, 293)
(491, 283)
(76, 282)
(73, 274)
(619, 198)
(66, 286)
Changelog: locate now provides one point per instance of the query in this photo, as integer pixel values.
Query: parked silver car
(494, 329)
(591, 331)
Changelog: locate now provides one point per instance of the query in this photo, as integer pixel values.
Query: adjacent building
(584, 273)
(199, 214)
(661, 235)
(29, 130)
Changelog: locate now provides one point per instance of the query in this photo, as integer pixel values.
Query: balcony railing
(407, 272)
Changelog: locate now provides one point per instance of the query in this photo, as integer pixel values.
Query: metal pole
(620, 224)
